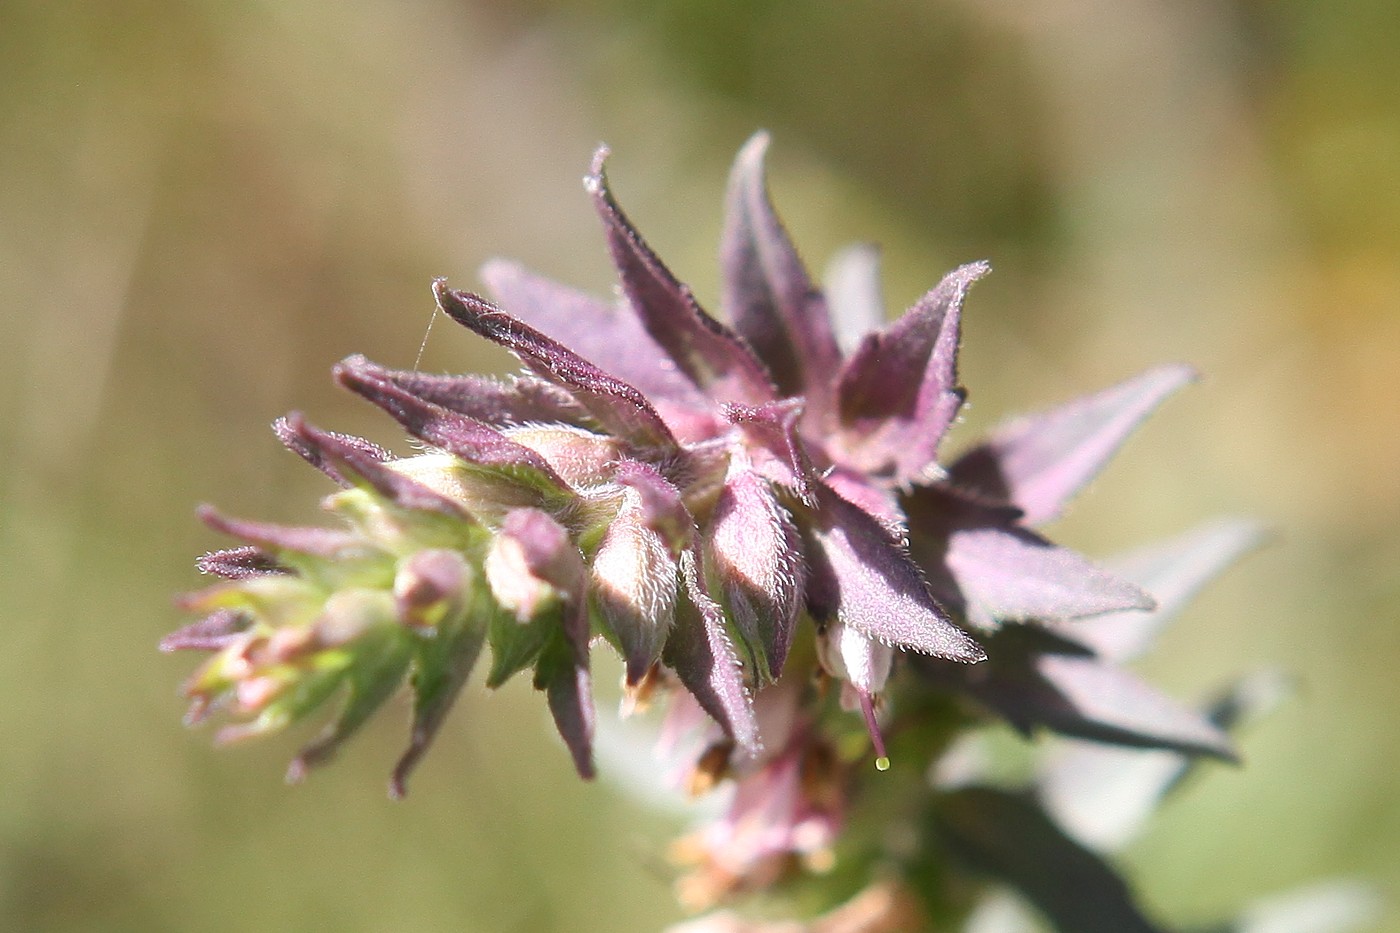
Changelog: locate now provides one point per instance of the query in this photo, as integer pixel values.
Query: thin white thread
(426, 334)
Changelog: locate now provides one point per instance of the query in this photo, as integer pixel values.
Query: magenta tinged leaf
(768, 294)
(1173, 572)
(1007, 573)
(350, 460)
(318, 542)
(518, 400)
(899, 391)
(611, 336)
(1096, 701)
(210, 633)
(476, 443)
(1038, 680)
(1104, 795)
(701, 654)
(755, 556)
(290, 432)
(1038, 462)
(618, 407)
(984, 563)
(712, 356)
(879, 501)
(239, 563)
(860, 576)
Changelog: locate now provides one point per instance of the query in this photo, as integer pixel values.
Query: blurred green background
(203, 205)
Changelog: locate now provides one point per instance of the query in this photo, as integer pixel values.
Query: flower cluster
(752, 511)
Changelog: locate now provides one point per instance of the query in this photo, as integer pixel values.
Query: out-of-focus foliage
(204, 205)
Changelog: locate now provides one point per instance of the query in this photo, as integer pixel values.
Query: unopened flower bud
(753, 548)
(634, 584)
(429, 585)
(863, 666)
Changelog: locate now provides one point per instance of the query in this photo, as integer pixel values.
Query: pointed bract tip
(973, 271)
(365, 378)
(297, 770)
(398, 781)
(215, 520)
(1162, 382)
(198, 711)
(443, 295)
(286, 427)
(356, 365)
(754, 149)
(210, 633)
(238, 563)
(293, 431)
(462, 306)
(419, 740)
(953, 645)
(1185, 372)
(595, 181)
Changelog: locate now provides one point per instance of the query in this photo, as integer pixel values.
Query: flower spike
(754, 517)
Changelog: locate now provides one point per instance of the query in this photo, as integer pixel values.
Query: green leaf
(375, 673)
(443, 661)
(564, 677)
(516, 644)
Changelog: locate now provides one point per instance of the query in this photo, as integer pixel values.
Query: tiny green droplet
(882, 763)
